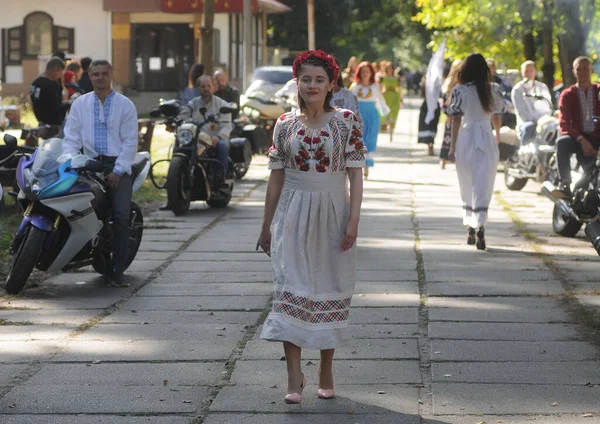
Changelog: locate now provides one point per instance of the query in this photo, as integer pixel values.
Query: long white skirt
(314, 281)
(476, 166)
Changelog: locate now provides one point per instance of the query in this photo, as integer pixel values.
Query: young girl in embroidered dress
(314, 222)
(371, 104)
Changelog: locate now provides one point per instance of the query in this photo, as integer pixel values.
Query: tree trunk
(207, 36)
(548, 68)
(526, 12)
(571, 39)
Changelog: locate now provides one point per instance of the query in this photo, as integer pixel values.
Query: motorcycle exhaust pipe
(592, 231)
(547, 189)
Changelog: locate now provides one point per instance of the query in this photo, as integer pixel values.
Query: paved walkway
(444, 334)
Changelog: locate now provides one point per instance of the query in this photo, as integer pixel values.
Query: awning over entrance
(192, 6)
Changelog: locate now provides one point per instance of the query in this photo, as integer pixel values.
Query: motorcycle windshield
(44, 170)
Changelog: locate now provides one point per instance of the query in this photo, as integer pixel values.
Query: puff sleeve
(355, 152)
(276, 152)
(456, 104)
(498, 105)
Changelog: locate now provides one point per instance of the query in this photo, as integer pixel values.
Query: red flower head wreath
(317, 54)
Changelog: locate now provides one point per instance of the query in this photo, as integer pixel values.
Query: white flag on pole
(433, 81)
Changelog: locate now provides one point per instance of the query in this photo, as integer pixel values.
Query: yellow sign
(121, 32)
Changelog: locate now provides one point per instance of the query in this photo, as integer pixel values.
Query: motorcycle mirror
(10, 140)
(155, 113)
(226, 109)
(94, 166)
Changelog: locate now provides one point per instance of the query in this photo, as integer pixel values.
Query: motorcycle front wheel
(566, 226)
(178, 195)
(25, 259)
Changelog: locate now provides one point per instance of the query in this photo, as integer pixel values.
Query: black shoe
(471, 236)
(164, 207)
(563, 191)
(481, 239)
(116, 280)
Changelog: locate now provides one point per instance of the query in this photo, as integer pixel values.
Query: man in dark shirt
(225, 91)
(46, 94)
(85, 83)
(579, 133)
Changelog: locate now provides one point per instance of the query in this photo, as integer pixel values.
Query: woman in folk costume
(348, 74)
(427, 131)
(343, 98)
(310, 222)
(449, 84)
(392, 93)
(371, 104)
(475, 102)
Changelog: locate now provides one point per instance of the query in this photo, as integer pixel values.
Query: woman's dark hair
(475, 69)
(360, 68)
(85, 63)
(313, 61)
(196, 71)
(74, 67)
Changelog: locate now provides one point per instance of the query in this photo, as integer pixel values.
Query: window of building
(38, 34)
(15, 46)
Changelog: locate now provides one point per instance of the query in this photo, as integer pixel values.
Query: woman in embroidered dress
(449, 84)
(348, 74)
(314, 222)
(343, 98)
(392, 93)
(475, 101)
(371, 104)
(427, 131)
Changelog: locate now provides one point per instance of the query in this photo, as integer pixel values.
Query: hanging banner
(433, 81)
(197, 6)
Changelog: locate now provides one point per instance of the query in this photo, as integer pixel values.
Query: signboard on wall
(197, 6)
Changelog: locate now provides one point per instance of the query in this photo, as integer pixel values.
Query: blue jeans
(223, 155)
(527, 132)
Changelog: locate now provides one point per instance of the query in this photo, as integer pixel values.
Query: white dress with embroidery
(314, 281)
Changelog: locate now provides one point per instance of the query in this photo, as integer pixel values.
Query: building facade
(151, 43)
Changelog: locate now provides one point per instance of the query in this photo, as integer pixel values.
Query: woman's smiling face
(314, 84)
(365, 73)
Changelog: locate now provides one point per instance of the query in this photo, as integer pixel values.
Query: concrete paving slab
(140, 374)
(10, 371)
(496, 288)
(159, 246)
(154, 332)
(399, 265)
(496, 309)
(385, 300)
(93, 302)
(96, 399)
(381, 287)
(220, 257)
(207, 289)
(386, 276)
(219, 277)
(134, 351)
(162, 237)
(559, 373)
(469, 275)
(267, 373)
(589, 300)
(43, 316)
(197, 303)
(34, 332)
(512, 419)
(310, 418)
(384, 331)
(468, 350)
(503, 331)
(175, 317)
(19, 352)
(383, 315)
(152, 256)
(241, 267)
(91, 419)
(360, 349)
(513, 399)
(358, 399)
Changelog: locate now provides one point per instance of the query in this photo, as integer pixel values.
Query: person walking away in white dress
(475, 102)
(310, 223)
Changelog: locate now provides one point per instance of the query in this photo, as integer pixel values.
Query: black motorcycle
(194, 171)
(569, 215)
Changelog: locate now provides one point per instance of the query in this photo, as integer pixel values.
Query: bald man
(226, 91)
(219, 131)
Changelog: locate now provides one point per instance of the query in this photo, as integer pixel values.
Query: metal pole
(248, 62)
(311, 24)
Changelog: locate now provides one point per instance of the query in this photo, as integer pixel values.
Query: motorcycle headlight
(184, 136)
(255, 113)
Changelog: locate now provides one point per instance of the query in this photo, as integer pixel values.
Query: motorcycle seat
(138, 165)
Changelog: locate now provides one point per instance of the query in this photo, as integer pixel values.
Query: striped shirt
(587, 109)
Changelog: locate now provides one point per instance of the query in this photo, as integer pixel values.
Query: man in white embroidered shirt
(219, 131)
(103, 124)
